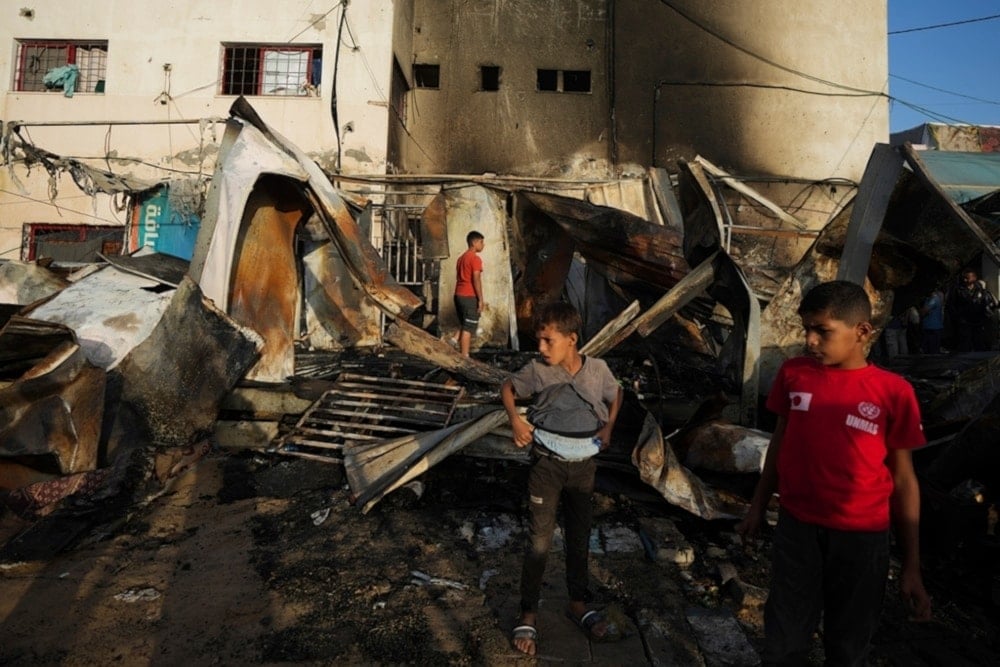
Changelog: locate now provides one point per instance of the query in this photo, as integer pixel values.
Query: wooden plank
(598, 344)
(421, 344)
(316, 457)
(681, 294)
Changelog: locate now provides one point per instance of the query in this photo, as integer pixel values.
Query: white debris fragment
(138, 594)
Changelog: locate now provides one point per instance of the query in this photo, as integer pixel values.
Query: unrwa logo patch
(869, 410)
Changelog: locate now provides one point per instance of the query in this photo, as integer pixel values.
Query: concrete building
(574, 89)
(149, 72)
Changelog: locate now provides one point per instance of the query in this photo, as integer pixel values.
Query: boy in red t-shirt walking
(840, 461)
(469, 290)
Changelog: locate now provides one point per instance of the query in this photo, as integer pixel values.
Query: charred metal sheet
(109, 310)
(870, 205)
(972, 455)
(481, 209)
(968, 395)
(988, 177)
(363, 409)
(248, 260)
(23, 283)
(24, 342)
(541, 255)
(726, 448)
(729, 287)
(155, 266)
(627, 195)
(170, 386)
(50, 419)
(434, 229)
(335, 316)
(355, 249)
(631, 251)
(265, 289)
(658, 466)
(375, 470)
(666, 200)
(421, 344)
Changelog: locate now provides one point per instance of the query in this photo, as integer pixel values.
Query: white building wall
(143, 36)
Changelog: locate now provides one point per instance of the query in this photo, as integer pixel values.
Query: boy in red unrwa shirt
(840, 460)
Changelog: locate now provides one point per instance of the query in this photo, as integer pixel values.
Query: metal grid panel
(362, 409)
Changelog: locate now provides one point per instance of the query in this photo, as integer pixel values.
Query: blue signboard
(164, 229)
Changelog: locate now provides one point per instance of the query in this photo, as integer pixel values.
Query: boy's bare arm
(477, 285)
(905, 505)
(604, 434)
(523, 431)
(766, 486)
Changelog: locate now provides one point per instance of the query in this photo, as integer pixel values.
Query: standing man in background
(469, 301)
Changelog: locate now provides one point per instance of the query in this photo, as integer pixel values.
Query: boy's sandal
(524, 632)
(589, 621)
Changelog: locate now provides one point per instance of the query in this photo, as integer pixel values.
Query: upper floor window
(65, 65)
(426, 76)
(260, 69)
(564, 81)
(489, 77)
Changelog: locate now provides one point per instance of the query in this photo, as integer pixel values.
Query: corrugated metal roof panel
(964, 176)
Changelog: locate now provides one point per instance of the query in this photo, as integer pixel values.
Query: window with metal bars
(260, 69)
(38, 57)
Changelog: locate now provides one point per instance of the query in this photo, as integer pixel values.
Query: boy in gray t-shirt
(574, 408)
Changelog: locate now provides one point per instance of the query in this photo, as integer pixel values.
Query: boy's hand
(604, 436)
(749, 528)
(523, 432)
(914, 595)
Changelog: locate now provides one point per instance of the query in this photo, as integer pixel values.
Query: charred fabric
(287, 332)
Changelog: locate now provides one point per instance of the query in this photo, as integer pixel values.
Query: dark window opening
(36, 58)
(564, 81)
(576, 81)
(70, 242)
(490, 77)
(548, 79)
(427, 76)
(256, 69)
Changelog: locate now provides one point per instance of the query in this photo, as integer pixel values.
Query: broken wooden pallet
(366, 409)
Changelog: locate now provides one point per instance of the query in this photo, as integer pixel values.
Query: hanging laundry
(64, 77)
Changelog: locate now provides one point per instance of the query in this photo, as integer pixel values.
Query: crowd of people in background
(958, 317)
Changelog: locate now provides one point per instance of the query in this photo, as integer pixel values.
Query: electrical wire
(944, 25)
(313, 22)
(942, 90)
(757, 56)
(927, 112)
(42, 201)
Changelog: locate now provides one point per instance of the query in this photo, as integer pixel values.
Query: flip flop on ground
(592, 623)
(528, 633)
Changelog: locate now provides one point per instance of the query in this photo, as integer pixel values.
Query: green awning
(964, 176)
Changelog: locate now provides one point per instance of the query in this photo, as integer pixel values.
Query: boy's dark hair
(842, 299)
(472, 237)
(563, 316)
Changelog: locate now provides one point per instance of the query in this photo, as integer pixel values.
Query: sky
(962, 59)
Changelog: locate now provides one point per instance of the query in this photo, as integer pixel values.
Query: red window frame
(233, 80)
(24, 47)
